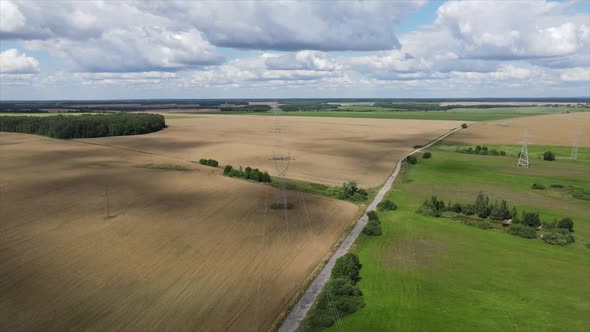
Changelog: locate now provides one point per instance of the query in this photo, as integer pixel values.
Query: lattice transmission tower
(575, 145)
(523, 158)
(281, 163)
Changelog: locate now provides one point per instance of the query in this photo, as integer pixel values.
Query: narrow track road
(299, 311)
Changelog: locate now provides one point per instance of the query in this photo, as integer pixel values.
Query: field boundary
(299, 311)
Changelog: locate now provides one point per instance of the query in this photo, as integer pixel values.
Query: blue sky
(287, 49)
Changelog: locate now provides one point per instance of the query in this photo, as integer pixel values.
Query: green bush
(85, 125)
(338, 298)
(468, 209)
(558, 186)
(226, 170)
(500, 211)
(538, 186)
(560, 237)
(482, 205)
(427, 155)
(373, 228)
(566, 223)
(463, 125)
(548, 155)
(351, 191)
(387, 205)
(209, 162)
(348, 267)
(549, 225)
(411, 160)
(372, 215)
(432, 207)
(522, 231)
(531, 219)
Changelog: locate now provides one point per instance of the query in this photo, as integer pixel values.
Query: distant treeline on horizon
(241, 101)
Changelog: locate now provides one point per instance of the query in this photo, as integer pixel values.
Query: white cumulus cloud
(14, 62)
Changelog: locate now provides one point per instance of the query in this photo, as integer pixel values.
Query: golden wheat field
(326, 150)
(185, 249)
(553, 129)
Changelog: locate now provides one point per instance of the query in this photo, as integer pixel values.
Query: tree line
(84, 126)
(523, 225)
(340, 297)
(247, 108)
(483, 150)
(248, 173)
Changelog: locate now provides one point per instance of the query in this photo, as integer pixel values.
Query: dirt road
(299, 311)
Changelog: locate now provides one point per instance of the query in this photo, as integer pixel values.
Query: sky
(293, 49)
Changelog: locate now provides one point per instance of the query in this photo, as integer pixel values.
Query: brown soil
(327, 150)
(183, 251)
(553, 129)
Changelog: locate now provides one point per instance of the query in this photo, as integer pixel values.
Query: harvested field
(183, 251)
(327, 150)
(553, 129)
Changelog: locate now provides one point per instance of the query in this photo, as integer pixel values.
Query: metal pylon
(523, 159)
(575, 146)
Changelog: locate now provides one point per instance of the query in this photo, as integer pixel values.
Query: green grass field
(562, 153)
(434, 274)
(459, 114)
(417, 115)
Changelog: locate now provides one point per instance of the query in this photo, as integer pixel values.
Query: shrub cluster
(560, 237)
(209, 162)
(523, 231)
(341, 296)
(463, 125)
(352, 192)
(538, 186)
(411, 160)
(483, 150)
(427, 155)
(386, 205)
(373, 227)
(248, 173)
(548, 155)
(85, 125)
(523, 225)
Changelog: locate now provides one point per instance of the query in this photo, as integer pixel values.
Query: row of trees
(209, 162)
(483, 150)
(523, 225)
(308, 106)
(84, 126)
(247, 108)
(341, 296)
(247, 173)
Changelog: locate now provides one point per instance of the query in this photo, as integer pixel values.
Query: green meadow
(416, 115)
(435, 274)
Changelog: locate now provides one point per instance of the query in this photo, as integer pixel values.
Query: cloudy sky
(281, 49)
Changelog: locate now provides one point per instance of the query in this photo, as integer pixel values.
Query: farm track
(300, 310)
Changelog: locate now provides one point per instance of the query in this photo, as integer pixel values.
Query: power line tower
(523, 158)
(281, 163)
(575, 146)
